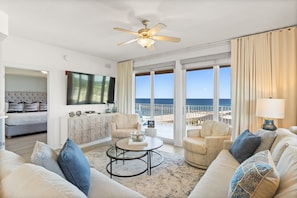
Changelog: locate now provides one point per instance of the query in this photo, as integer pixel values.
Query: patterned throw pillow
(255, 177)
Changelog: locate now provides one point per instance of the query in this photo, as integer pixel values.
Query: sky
(199, 84)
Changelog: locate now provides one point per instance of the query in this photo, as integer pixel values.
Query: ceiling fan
(146, 36)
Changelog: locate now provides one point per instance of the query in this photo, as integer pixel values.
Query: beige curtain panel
(263, 65)
(124, 87)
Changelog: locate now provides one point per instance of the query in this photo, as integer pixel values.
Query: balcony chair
(123, 125)
(202, 145)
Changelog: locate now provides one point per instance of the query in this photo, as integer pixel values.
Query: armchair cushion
(126, 121)
(196, 145)
(206, 129)
(220, 129)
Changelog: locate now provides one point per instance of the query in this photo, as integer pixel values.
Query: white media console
(86, 129)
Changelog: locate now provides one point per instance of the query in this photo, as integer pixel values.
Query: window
(208, 95)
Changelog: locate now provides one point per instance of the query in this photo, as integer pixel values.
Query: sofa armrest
(227, 144)
(194, 132)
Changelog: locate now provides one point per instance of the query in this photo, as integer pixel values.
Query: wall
(27, 54)
(25, 83)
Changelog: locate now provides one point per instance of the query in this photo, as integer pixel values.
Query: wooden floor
(23, 145)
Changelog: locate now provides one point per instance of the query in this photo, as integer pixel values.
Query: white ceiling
(87, 25)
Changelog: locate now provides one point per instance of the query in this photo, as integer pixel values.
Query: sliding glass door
(154, 100)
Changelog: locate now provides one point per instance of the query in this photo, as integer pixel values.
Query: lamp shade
(270, 108)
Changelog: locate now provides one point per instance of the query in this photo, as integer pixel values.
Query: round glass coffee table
(123, 150)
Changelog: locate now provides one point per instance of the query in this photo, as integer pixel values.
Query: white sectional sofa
(216, 181)
(20, 179)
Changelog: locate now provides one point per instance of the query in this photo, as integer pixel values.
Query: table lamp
(269, 109)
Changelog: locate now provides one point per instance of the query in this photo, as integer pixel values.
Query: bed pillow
(244, 146)
(255, 177)
(15, 107)
(75, 166)
(46, 157)
(42, 106)
(31, 107)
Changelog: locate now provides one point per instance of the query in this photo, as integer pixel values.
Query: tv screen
(89, 88)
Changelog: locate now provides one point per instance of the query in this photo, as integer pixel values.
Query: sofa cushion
(206, 129)
(46, 157)
(287, 169)
(220, 129)
(283, 139)
(75, 166)
(255, 177)
(244, 146)
(103, 186)
(30, 180)
(267, 139)
(9, 162)
(215, 181)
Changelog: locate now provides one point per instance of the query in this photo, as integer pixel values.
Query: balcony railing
(195, 114)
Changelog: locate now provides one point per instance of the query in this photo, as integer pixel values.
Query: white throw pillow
(46, 157)
(255, 177)
(30, 180)
(267, 139)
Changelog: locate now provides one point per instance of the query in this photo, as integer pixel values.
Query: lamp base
(269, 125)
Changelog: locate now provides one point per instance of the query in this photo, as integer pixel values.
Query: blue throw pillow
(244, 146)
(75, 166)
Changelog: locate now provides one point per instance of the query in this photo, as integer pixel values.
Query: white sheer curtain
(263, 65)
(124, 87)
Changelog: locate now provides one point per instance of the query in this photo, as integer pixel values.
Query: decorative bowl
(137, 136)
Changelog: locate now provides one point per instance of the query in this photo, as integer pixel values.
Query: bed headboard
(22, 96)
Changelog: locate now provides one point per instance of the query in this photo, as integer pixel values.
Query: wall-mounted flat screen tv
(89, 88)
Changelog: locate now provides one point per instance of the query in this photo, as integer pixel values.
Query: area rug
(173, 178)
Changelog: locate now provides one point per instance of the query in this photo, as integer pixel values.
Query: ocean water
(202, 102)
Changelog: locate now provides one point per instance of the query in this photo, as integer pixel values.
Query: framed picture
(151, 123)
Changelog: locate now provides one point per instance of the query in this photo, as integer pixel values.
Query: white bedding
(26, 118)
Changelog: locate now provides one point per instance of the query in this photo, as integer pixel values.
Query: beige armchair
(202, 145)
(123, 125)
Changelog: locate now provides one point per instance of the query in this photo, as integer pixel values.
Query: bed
(26, 113)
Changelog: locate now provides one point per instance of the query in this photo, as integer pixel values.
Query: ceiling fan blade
(166, 38)
(156, 28)
(127, 42)
(124, 30)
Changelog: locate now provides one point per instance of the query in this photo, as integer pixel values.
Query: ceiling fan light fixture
(146, 42)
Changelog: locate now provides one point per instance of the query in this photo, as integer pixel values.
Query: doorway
(26, 108)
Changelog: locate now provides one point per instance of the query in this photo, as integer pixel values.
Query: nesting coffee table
(123, 151)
